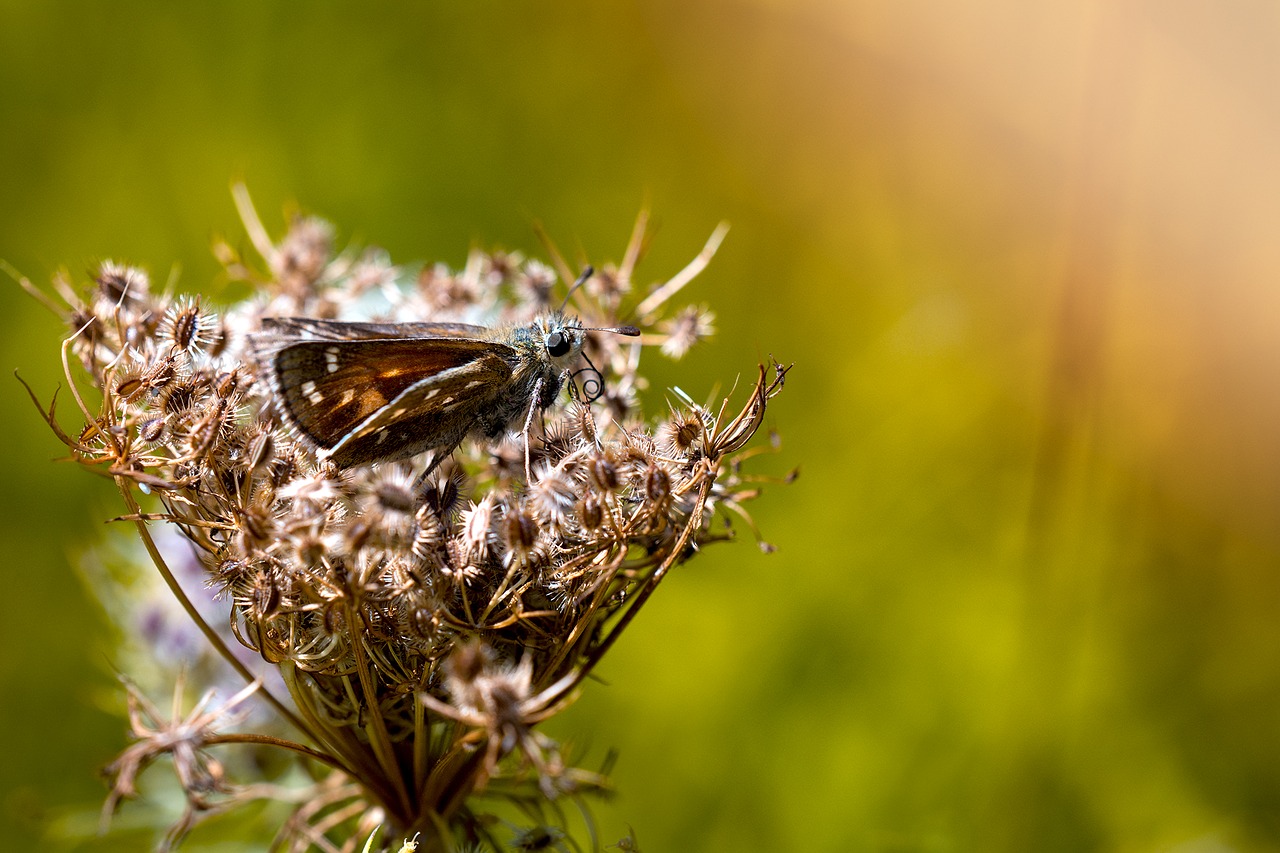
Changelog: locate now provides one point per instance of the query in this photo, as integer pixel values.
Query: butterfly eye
(557, 344)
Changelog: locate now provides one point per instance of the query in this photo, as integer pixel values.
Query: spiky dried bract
(423, 629)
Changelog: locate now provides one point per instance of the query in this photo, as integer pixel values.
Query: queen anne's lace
(422, 629)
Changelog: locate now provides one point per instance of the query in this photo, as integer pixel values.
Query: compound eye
(557, 344)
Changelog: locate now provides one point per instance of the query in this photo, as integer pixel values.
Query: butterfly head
(563, 337)
(561, 340)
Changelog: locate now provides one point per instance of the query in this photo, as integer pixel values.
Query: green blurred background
(1025, 257)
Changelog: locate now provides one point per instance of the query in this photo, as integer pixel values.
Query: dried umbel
(422, 626)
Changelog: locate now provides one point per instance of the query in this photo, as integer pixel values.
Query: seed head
(478, 531)
(120, 286)
(552, 498)
(603, 473)
(686, 329)
(187, 326)
(152, 430)
(301, 259)
(521, 536)
(681, 433)
(389, 505)
(590, 512)
(442, 492)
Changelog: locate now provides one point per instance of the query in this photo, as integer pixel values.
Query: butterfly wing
(327, 388)
(282, 329)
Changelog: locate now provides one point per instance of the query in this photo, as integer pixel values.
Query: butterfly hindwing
(436, 412)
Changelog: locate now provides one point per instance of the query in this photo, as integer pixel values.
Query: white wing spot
(331, 359)
(474, 383)
(382, 436)
(309, 391)
(432, 393)
(347, 396)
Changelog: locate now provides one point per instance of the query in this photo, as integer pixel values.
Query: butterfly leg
(437, 456)
(528, 422)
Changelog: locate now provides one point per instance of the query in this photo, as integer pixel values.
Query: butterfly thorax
(536, 369)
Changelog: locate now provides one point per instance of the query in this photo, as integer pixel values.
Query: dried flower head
(689, 326)
(187, 326)
(422, 627)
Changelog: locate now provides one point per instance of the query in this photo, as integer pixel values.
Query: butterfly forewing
(328, 389)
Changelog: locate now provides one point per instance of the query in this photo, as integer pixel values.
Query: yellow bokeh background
(1025, 257)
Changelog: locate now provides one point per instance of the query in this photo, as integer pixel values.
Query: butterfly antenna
(586, 273)
(629, 331)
